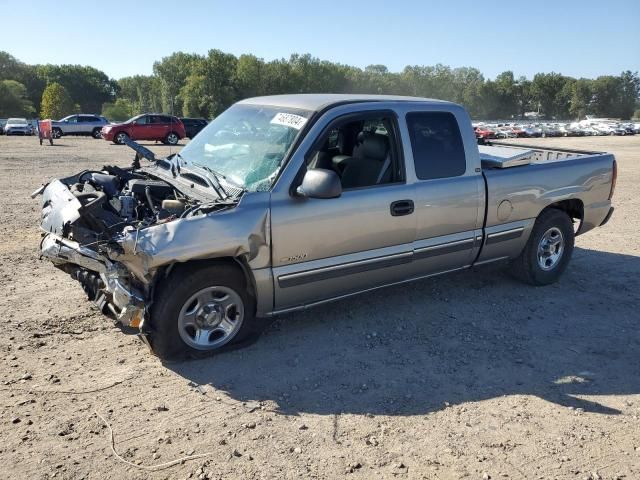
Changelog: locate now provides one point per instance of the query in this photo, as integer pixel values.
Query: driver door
(328, 248)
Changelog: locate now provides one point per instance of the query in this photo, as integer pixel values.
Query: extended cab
(285, 202)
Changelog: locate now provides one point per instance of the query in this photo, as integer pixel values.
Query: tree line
(204, 85)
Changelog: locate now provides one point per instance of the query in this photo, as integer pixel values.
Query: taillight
(614, 177)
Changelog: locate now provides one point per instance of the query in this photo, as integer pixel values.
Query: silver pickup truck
(285, 202)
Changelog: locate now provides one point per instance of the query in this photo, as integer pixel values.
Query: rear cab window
(436, 143)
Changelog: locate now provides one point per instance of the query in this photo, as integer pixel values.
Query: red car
(484, 133)
(148, 126)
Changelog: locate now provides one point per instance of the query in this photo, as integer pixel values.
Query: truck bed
(507, 155)
(521, 180)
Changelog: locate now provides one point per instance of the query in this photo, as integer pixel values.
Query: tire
(537, 264)
(97, 133)
(119, 138)
(172, 139)
(178, 303)
(56, 133)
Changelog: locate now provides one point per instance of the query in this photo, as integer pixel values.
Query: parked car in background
(518, 131)
(81, 124)
(2, 123)
(532, 132)
(18, 126)
(484, 133)
(193, 125)
(148, 126)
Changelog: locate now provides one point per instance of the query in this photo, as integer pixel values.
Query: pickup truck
(285, 202)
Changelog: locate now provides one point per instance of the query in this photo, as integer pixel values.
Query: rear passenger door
(449, 195)
(86, 123)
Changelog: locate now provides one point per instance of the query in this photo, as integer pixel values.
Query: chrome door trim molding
(443, 248)
(351, 294)
(504, 235)
(326, 273)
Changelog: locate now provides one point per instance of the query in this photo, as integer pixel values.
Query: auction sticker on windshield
(289, 120)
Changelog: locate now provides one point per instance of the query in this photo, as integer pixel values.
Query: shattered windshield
(247, 144)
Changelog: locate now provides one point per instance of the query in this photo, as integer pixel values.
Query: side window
(437, 146)
(362, 150)
(73, 119)
(143, 120)
(87, 118)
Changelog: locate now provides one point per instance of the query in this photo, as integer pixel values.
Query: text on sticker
(289, 120)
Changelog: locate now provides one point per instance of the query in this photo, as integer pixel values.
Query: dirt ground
(471, 375)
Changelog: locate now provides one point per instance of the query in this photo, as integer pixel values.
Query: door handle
(401, 207)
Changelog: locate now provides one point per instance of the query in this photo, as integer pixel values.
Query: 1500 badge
(294, 258)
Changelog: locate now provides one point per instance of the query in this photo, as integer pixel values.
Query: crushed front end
(90, 219)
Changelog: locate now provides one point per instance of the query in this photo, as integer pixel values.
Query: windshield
(16, 121)
(247, 144)
(132, 119)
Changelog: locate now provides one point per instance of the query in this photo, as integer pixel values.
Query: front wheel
(548, 251)
(120, 138)
(56, 133)
(201, 310)
(172, 139)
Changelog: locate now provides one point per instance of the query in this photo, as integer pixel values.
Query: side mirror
(320, 183)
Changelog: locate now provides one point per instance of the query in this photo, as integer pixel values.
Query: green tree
(89, 87)
(118, 111)
(56, 102)
(14, 101)
(547, 92)
(143, 92)
(249, 76)
(172, 71)
(580, 97)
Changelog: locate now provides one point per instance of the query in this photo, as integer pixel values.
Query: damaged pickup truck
(285, 202)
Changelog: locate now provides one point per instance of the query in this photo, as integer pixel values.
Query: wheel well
(572, 207)
(235, 262)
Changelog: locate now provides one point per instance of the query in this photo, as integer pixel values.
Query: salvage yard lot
(470, 375)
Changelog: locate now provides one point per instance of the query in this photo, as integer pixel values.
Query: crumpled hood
(239, 232)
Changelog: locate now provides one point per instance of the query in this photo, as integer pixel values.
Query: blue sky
(579, 38)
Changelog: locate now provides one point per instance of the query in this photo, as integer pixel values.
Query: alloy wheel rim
(550, 249)
(211, 317)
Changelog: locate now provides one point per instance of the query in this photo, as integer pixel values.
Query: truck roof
(319, 101)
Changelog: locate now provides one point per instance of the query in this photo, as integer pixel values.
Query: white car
(18, 126)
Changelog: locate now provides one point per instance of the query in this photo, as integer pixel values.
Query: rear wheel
(548, 251)
(96, 133)
(120, 138)
(172, 139)
(201, 310)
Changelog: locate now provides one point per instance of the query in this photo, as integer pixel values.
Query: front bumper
(107, 135)
(18, 131)
(105, 282)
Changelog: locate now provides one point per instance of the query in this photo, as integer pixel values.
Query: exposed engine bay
(96, 223)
